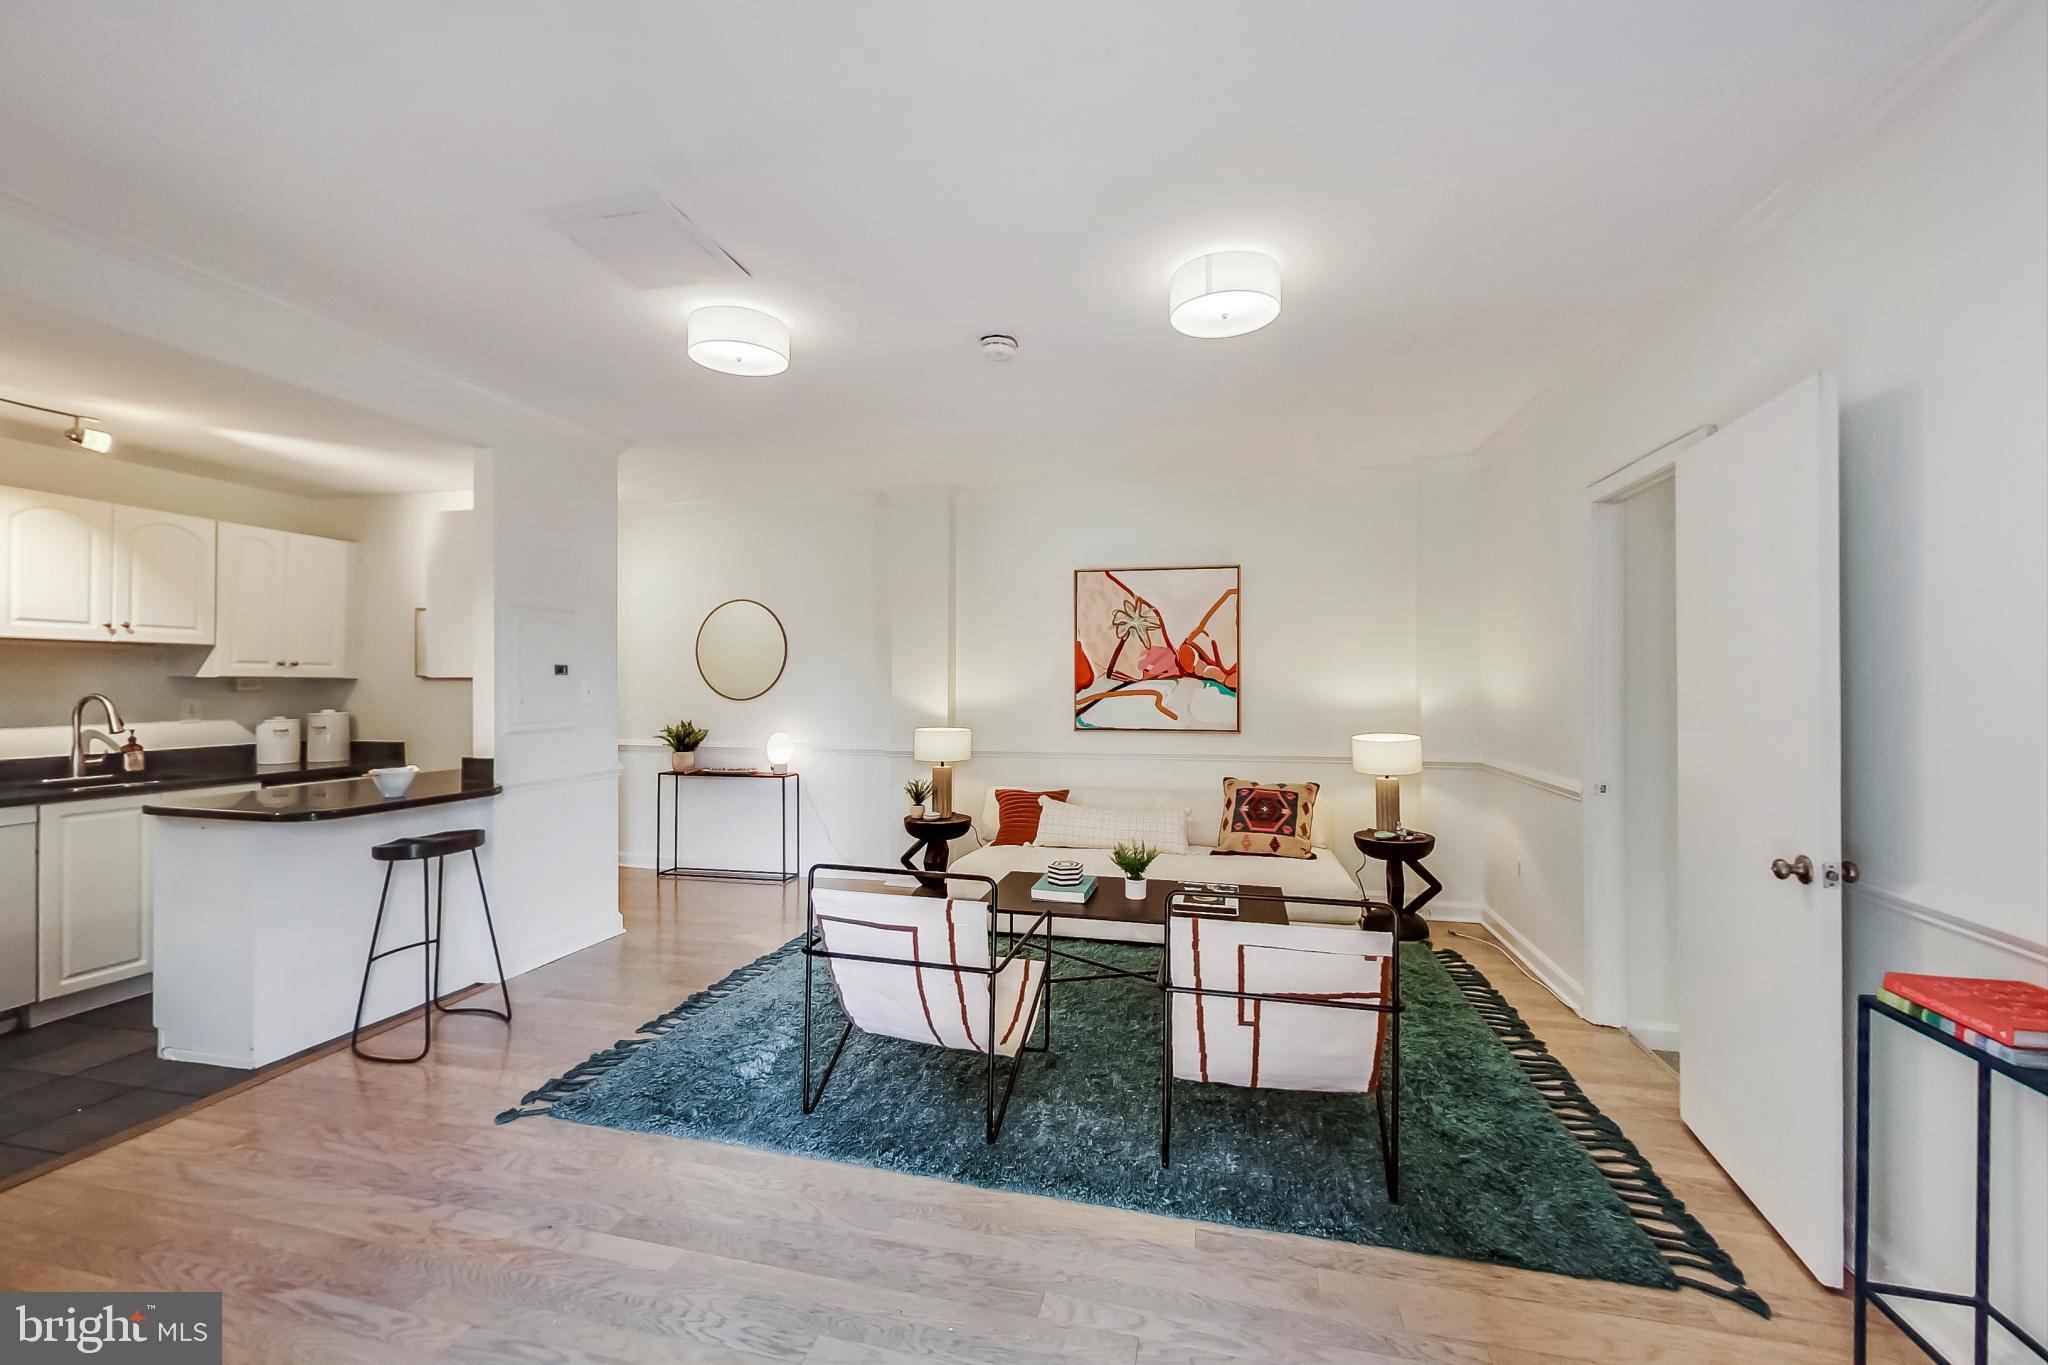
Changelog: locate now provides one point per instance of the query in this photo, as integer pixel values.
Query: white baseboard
(609, 927)
(1656, 1037)
(640, 860)
(182, 1054)
(1455, 912)
(1558, 981)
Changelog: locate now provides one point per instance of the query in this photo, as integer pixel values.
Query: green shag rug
(1503, 1159)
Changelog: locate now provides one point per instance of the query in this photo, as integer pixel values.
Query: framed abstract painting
(1156, 649)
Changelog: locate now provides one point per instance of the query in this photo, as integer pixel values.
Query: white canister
(277, 741)
(327, 737)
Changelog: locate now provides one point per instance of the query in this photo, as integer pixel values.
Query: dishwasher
(17, 907)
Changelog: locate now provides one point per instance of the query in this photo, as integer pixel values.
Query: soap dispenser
(132, 757)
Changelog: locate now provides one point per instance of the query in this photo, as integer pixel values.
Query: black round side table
(934, 834)
(1407, 851)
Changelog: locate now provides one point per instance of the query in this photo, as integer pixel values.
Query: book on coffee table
(1207, 898)
(1043, 890)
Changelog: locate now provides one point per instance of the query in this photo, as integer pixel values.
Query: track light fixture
(85, 431)
(92, 438)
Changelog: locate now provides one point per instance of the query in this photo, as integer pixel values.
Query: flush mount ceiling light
(739, 341)
(84, 431)
(1224, 294)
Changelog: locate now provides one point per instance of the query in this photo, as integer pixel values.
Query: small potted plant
(1134, 859)
(682, 739)
(919, 791)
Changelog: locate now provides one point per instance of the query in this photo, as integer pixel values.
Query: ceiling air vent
(648, 242)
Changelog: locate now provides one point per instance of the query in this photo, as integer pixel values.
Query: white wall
(1915, 273)
(547, 560)
(895, 602)
(431, 716)
(820, 564)
(1649, 663)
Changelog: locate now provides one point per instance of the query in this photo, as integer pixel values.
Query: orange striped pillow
(1017, 814)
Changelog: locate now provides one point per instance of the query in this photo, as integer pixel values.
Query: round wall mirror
(741, 649)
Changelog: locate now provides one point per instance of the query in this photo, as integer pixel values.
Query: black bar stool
(433, 893)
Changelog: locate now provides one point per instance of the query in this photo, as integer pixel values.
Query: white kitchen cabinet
(163, 577)
(77, 569)
(250, 628)
(283, 600)
(92, 894)
(316, 574)
(56, 567)
(17, 906)
(93, 890)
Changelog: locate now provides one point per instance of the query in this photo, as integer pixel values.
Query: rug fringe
(540, 1099)
(1678, 1236)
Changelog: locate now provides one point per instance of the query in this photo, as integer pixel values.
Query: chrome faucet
(81, 737)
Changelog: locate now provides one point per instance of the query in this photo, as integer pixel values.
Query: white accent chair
(926, 969)
(1282, 1007)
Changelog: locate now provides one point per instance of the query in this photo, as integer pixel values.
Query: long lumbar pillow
(1062, 824)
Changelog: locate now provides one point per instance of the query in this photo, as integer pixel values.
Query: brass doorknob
(1800, 867)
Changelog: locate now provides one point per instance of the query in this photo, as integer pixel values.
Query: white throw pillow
(1062, 824)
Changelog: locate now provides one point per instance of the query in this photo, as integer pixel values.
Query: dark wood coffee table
(1109, 905)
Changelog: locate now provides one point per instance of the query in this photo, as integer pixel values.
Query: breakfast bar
(265, 901)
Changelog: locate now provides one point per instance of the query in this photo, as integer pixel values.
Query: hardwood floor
(359, 1213)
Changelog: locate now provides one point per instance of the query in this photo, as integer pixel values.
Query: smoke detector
(998, 347)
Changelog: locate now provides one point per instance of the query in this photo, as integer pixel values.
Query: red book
(2013, 1012)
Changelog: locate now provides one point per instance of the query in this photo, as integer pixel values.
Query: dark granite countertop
(171, 770)
(301, 802)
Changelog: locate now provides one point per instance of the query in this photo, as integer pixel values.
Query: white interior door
(1759, 779)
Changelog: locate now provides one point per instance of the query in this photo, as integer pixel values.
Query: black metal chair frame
(814, 948)
(1386, 1095)
(433, 897)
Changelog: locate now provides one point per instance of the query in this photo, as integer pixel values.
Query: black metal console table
(789, 801)
(1978, 1300)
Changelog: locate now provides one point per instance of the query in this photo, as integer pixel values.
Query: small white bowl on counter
(392, 782)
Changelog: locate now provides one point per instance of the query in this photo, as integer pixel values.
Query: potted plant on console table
(682, 739)
(1134, 859)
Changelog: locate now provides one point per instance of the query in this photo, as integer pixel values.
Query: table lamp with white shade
(939, 745)
(1386, 758)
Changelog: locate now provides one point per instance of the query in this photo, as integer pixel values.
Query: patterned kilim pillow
(1271, 819)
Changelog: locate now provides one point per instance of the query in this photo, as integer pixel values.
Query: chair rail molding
(1556, 784)
(1879, 896)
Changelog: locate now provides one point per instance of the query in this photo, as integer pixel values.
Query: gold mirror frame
(697, 651)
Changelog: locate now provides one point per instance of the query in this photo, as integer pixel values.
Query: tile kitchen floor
(81, 1080)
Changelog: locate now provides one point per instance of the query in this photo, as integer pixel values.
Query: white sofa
(1320, 875)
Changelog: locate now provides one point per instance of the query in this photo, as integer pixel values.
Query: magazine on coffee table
(1207, 898)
